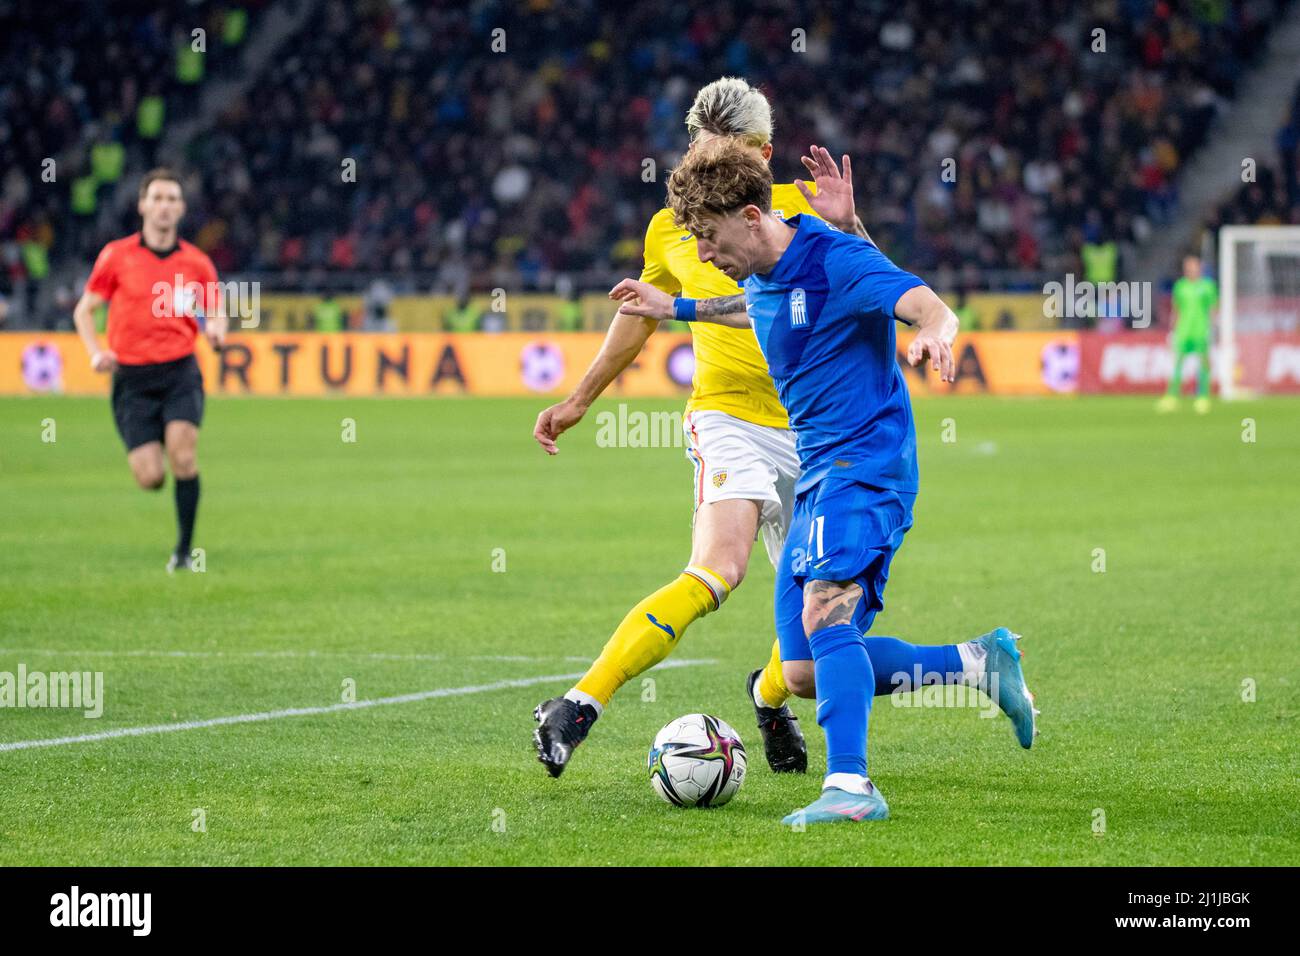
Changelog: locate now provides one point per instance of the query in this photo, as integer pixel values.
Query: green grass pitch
(373, 562)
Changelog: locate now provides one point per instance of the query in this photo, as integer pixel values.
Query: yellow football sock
(652, 629)
(771, 683)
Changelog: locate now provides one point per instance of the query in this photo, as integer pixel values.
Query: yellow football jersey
(730, 372)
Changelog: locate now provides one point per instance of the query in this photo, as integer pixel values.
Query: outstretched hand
(643, 300)
(555, 421)
(834, 198)
(938, 349)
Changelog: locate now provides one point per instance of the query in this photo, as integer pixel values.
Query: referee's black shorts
(147, 397)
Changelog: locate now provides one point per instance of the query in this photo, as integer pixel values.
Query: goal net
(1259, 310)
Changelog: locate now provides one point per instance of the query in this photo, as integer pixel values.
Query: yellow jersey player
(738, 440)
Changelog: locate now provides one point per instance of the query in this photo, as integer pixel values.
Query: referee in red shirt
(160, 292)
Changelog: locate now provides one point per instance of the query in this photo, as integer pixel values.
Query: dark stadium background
(522, 170)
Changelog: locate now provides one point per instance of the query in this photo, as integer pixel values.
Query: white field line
(309, 711)
(290, 655)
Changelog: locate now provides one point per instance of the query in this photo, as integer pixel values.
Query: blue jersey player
(822, 304)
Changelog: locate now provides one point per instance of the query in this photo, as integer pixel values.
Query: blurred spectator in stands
(377, 300)
(568, 316)
(966, 313)
(328, 315)
(462, 317)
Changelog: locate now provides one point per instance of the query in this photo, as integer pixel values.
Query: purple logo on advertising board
(541, 366)
(43, 367)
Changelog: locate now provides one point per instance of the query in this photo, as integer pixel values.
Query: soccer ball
(697, 761)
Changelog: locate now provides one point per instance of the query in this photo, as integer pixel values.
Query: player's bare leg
(146, 462)
(724, 537)
(182, 442)
(181, 439)
(724, 540)
(799, 678)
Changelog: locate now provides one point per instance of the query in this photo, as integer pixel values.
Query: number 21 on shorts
(815, 534)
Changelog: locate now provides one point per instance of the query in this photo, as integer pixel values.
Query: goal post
(1259, 310)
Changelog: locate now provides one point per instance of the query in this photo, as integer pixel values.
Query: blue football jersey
(824, 317)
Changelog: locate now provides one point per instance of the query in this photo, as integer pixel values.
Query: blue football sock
(897, 663)
(844, 677)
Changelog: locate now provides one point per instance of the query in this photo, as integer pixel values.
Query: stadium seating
(1274, 197)
(488, 170)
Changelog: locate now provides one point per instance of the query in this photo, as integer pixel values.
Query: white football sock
(758, 697)
(972, 659)
(578, 697)
(852, 782)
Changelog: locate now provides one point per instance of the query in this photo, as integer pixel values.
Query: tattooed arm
(861, 230)
(644, 300)
(728, 307)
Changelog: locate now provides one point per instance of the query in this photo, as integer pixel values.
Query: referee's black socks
(187, 506)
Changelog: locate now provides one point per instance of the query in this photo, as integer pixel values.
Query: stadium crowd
(1273, 198)
(86, 95)
(992, 141)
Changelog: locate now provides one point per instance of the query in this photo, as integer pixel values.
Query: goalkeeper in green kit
(1194, 298)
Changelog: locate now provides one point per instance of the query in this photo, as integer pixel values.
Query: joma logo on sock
(666, 628)
(77, 690)
(103, 909)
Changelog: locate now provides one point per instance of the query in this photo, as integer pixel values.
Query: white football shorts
(738, 459)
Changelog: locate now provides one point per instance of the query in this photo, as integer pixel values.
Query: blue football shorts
(841, 530)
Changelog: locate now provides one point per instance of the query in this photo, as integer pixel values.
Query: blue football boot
(1005, 682)
(841, 806)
